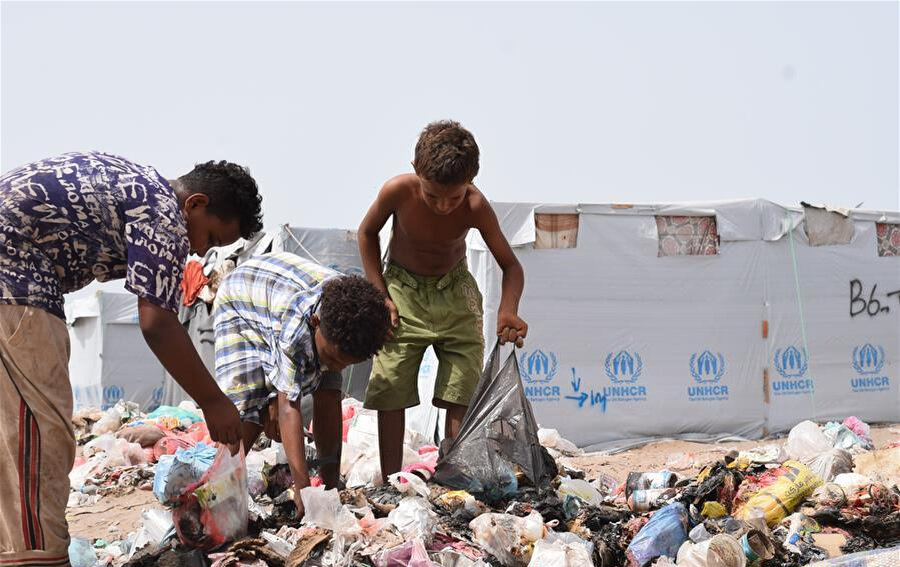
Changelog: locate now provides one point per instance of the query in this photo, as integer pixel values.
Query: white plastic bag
(414, 518)
(559, 554)
(580, 488)
(508, 538)
(806, 441)
(408, 483)
(718, 551)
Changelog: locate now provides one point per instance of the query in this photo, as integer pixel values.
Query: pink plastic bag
(215, 510)
(410, 554)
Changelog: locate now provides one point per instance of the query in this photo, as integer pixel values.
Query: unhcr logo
(538, 369)
(707, 369)
(792, 364)
(624, 368)
(111, 395)
(868, 361)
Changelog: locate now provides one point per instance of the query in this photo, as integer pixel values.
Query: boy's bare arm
(290, 421)
(370, 246)
(510, 327)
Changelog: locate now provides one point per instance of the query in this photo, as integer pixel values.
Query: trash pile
(500, 494)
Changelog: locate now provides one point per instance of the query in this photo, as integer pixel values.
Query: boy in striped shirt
(285, 327)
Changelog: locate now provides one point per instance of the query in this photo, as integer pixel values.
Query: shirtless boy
(432, 298)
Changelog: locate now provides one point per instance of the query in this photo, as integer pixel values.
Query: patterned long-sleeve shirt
(68, 220)
(264, 339)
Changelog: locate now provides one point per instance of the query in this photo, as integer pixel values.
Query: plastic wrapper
(830, 464)
(581, 489)
(874, 558)
(216, 509)
(410, 554)
(662, 535)
(414, 518)
(559, 554)
(509, 538)
(81, 553)
(497, 439)
(786, 493)
(175, 473)
(718, 551)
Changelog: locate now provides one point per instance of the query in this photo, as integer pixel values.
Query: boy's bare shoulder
(478, 203)
(400, 184)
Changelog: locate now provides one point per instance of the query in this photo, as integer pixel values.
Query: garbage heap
(825, 497)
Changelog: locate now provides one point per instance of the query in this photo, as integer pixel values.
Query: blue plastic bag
(176, 412)
(174, 473)
(662, 535)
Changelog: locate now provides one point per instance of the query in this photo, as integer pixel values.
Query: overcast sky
(599, 102)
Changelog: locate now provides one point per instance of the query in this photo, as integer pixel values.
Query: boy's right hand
(395, 316)
(222, 419)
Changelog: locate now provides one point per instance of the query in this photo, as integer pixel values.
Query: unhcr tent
(110, 360)
(701, 321)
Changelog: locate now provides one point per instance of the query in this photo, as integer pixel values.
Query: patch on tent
(888, 236)
(827, 226)
(687, 236)
(553, 230)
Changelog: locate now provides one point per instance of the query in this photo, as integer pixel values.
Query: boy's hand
(395, 316)
(223, 420)
(511, 327)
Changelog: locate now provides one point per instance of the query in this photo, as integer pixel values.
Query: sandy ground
(114, 517)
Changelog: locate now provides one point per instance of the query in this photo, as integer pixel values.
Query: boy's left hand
(510, 328)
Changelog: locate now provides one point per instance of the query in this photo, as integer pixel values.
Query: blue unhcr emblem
(707, 367)
(538, 366)
(624, 367)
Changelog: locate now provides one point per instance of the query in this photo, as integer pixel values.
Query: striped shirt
(264, 338)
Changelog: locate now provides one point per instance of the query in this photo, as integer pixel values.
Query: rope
(800, 306)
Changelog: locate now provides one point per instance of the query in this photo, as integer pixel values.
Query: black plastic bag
(497, 446)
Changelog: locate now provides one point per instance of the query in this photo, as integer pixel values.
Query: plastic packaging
(410, 554)
(649, 481)
(559, 554)
(873, 558)
(581, 489)
(324, 510)
(508, 538)
(109, 423)
(414, 518)
(718, 551)
(497, 438)
(118, 452)
(850, 483)
(408, 483)
(156, 524)
(175, 473)
(830, 464)
(861, 429)
(806, 441)
(215, 510)
(177, 413)
(781, 497)
(662, 535)
(81, 553)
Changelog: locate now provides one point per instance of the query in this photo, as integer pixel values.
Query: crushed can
(649, 481)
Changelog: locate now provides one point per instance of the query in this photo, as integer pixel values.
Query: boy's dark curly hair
(353, 316)
(232, 193)
(446, 153)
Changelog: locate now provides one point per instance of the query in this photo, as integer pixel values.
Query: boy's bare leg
(391, 427)
(327, 430)
(453, 420)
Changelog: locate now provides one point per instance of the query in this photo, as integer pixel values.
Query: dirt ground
(114, 517)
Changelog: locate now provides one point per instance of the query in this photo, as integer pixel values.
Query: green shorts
(443, 312)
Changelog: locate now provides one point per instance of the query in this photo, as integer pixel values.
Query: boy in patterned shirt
(64, 222)
(285, 327)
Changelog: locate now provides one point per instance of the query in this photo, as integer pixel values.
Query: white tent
(109, 358)
(701, 321)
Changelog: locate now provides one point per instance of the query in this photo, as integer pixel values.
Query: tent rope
(800, 305)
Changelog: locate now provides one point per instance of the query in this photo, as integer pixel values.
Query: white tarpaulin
(627, 343)
(109, 358)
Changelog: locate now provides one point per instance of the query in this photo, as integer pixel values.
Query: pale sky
(582, 102)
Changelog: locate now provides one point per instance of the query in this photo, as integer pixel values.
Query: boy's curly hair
(232, 193)
(446, 153)
(354, 316)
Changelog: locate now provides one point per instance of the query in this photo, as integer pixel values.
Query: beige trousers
(37, 442)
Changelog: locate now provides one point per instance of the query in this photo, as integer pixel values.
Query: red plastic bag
(215, 510)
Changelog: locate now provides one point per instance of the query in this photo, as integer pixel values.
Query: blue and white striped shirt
(264, 340)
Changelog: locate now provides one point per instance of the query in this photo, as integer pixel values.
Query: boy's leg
(460, 349)
(37, 442)
(391, 429)
(393, 386)
(328, 427)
